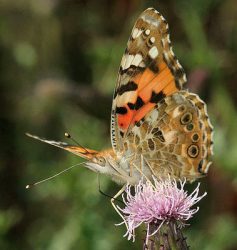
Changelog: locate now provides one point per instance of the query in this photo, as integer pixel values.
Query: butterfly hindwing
(148, 73)
(174, 138)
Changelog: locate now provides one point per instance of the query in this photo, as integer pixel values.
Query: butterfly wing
(151, 115)
(148, 73)
(174, 138)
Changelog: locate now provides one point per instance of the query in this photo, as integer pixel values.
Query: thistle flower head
(156, 203)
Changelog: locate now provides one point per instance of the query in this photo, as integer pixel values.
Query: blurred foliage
(58, 67)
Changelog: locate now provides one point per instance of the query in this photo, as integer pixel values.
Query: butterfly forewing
(149, 72)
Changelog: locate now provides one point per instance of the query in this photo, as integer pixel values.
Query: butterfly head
(106, 162)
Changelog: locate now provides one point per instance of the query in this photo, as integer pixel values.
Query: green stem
(168, 237)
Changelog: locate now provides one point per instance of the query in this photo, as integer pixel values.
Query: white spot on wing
(136, 33)
(151, 20)
(123, 61)
(153, 52)
(207, 166)
(154, 115)
(136, 130)
(147, 32)
(137, 60)
(184, 78)
(163, 19)
(204, 152)
(152, 39)
(211, 148)
(142, 64)
(129, 96)
(128, 61)
(170, 136)
(176, 113)
(166, 55)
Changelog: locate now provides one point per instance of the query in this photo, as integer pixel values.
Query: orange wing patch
(151, 88)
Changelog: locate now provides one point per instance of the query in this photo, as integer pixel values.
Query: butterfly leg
(114, 205)
(152, 171)
(131, 170)
(140, 170)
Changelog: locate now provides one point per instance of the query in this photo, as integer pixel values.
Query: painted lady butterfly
(157, 127)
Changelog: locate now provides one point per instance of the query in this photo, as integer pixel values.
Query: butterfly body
(157, 127)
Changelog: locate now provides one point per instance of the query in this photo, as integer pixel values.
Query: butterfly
(158, 128)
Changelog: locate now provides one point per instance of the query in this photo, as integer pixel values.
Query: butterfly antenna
(53, 176)
(106, 195)
(67, 135)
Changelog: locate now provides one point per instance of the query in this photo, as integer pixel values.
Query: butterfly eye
(101, 161)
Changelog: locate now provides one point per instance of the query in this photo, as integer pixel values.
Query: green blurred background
(58, 67)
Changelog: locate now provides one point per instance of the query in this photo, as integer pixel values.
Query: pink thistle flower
(157, 203)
